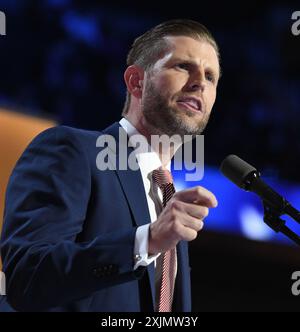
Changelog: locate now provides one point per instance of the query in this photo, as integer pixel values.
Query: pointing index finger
(198, 195)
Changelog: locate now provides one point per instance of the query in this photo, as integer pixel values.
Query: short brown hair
(149, 47)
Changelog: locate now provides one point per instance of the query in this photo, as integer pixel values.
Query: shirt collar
(147, 158)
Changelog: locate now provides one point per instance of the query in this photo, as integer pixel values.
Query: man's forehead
(188, 48)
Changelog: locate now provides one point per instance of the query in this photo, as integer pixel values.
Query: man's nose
(197, 82)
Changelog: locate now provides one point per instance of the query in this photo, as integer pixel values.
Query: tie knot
(162, 177)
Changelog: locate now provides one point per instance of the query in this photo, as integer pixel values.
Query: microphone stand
(273, 220)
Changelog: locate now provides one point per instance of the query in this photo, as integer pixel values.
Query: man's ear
(134, 78)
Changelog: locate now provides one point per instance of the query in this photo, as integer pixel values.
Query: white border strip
(2, 284)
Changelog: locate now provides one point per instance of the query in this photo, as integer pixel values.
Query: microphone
(248, 178)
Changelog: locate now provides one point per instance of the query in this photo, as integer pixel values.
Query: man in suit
(81, 237)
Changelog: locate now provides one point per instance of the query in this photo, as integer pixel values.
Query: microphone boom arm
(273, 220)
(246, 177)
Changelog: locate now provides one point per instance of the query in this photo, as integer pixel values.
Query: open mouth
(192, 104)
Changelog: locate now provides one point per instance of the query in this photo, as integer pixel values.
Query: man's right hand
(181, 219)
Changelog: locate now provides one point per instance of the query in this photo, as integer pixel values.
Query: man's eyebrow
(193, 62)
(213, 71)
(183, 59)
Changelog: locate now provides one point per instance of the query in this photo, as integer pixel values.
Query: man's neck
(164, 151)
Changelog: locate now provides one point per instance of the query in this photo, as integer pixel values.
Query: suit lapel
(182, 294)
(132, 184)
(131, 181)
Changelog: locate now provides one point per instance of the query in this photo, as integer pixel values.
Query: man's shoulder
(66, 133)
(62, 143)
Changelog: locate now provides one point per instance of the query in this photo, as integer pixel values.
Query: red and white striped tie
(163, 178)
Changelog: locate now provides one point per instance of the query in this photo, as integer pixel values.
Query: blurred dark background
(64, 59)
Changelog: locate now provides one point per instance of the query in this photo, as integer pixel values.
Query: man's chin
(185, 128)
(178, 122)
(190, 124)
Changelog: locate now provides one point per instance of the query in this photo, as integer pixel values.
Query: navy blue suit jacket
(68, 235)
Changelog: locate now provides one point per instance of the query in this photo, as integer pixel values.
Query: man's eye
(210, 77)
(182, 66)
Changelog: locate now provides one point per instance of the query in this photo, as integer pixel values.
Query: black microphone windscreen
(236, 170)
